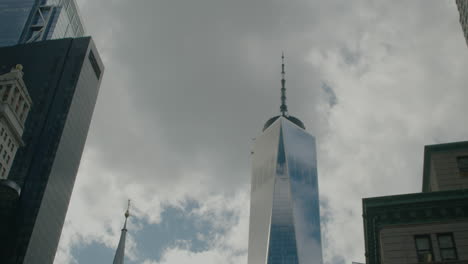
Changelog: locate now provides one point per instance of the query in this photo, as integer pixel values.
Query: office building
(431, 226)
(63, 78)
(15, 104)
(26, 21)
(463, 9)
(284, 207)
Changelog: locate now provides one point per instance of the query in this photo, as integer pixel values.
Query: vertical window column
(24, 114)
(462, 163)
(18, 104)
(7, 93)
(21, 109)
(11, 91)
(13, 97)
(424, 248)
(447, 247)
(2, 90)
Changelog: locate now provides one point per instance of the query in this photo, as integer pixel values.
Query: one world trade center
(284, 206)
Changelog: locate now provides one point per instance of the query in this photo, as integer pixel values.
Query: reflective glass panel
(291, 222)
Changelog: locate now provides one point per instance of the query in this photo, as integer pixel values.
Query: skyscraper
(63, 79)
(26, 21)
(463, 9)
(284, 205)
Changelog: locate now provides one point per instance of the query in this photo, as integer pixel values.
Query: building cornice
(407, 209)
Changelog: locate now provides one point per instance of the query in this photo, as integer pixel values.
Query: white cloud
(187, 85)
(229, 246)
(405, 90)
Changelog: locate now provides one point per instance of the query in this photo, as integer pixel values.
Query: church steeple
(120, 253)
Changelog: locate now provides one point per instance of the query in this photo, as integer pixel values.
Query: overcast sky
(189, 83)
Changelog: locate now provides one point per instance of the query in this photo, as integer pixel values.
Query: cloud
(401, 91)
(228, 246)
(188, 84)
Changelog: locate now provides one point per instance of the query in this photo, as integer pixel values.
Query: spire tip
(127, 213)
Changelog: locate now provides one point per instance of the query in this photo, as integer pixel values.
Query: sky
(188, 84)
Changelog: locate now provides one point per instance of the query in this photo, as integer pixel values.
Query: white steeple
(120, 253)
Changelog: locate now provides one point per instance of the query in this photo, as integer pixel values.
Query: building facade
(284, 204)
(26, 21)
(15, 104)
(463, 9)
(431, 226)
(63, 79)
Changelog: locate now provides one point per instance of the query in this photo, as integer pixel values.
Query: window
(4, 154)
(12, 98)
(8, 159)
(424, 248)
(19, 103)
(447, 247)
(463, 165)
(2, 131)
(5, 95)
(24, 112)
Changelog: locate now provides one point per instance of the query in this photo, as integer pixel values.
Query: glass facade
(463, 9)
(63, 85)
(284, 210)
(13, 17)
(25, 21)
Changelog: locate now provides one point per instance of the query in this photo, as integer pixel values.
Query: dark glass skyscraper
(26, 21)
(284, 207)
(63, 79)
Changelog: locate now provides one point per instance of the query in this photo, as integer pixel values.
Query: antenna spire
(127, 214)
(284, 107)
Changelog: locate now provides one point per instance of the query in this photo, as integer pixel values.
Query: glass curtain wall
(13, 17)
(25, 21)
(58, 18)
(284, 213)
